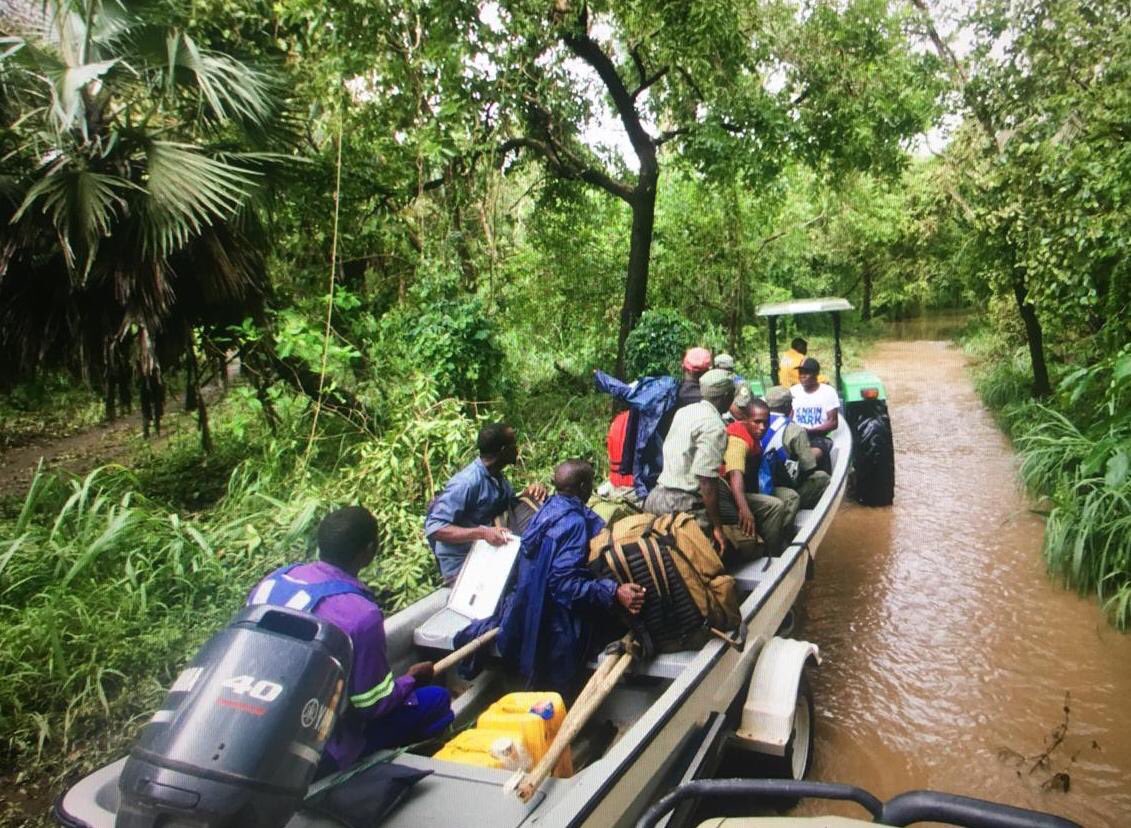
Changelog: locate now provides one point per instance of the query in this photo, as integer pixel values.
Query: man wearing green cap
(693, 452)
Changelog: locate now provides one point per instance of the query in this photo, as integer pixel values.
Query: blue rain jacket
(652, 398)
(546, 625)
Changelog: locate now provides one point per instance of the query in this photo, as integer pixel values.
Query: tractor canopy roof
(797, 306)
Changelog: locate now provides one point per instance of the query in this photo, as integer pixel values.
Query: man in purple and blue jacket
(384, 711)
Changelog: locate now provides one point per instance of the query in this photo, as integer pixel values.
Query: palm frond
(233, 90)
(187, 191)
(81, 205)
(67, 86)
(27, 19)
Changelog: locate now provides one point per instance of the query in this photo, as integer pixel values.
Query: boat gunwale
(555, 808)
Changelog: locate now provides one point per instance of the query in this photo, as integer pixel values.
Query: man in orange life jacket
(767, 513)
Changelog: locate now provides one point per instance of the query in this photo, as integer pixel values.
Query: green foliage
(657, 343)
(99, 586)
(450, 340)
(153, 140)
(48, 407)
(1076, 452)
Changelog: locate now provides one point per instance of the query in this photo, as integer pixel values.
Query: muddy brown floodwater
(947, 650)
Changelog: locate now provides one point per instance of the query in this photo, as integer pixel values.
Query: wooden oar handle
(583, 710)
(455, 657)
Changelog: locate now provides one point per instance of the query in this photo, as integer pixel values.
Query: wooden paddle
(600, 684)
(455, 657)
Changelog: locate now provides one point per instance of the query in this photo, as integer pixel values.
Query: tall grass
(1076, 452)
(110, 582)
(103, 593)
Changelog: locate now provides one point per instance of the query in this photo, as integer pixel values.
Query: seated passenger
(791, 360)
(693, 452)
(725, 362)
(696, 362)
(478, 493)
(749, 500)
(816, 408)
(383, 711)
(742, 398)
(548, 622)
(652, 399)
(795, 466)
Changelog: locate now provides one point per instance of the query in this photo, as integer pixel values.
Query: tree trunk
(194, 394)
(639, 254)
(866, 299)
(1035, 336)
(467, 269)
(734, 231)
(192, 381)
(110, 380)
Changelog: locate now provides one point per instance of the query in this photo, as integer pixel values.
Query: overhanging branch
(566, 165)
(589, 50)
(646, 82)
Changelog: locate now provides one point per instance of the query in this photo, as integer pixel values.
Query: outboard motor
(240, 734)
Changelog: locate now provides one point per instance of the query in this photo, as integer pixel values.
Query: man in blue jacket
(654, 400)
(549, 621)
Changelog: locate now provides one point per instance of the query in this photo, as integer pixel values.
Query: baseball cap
(809, 366)
(779, 398)
(724, 362)
(697, 359)
(715, 383)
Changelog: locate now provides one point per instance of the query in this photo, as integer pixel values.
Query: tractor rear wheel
(874, 459)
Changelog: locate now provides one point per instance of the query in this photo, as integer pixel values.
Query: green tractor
(863, 405)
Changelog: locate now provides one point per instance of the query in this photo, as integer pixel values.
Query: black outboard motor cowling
(240, 734)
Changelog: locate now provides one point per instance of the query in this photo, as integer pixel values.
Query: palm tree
(129, 159)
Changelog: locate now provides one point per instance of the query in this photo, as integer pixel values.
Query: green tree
(1047, 163)
(131, 154)
(734, 89)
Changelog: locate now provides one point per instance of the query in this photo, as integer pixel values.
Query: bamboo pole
(453, 658)
(604, 679)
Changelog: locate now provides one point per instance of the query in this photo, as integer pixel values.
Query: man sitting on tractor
(383, 711)
(791, 360)
(816, 408)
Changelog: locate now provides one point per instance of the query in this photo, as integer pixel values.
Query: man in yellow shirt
(769, 514)
(790, 361)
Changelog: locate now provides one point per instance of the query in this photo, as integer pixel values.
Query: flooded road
(947, 650)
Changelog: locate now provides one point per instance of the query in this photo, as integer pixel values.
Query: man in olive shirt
(799, 470)
(693, 452)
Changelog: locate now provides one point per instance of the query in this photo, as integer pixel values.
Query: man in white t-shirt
(816, 408)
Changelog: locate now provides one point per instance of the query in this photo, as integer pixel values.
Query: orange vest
(614, 442)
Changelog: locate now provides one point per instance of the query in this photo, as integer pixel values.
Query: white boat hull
(661, 744)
